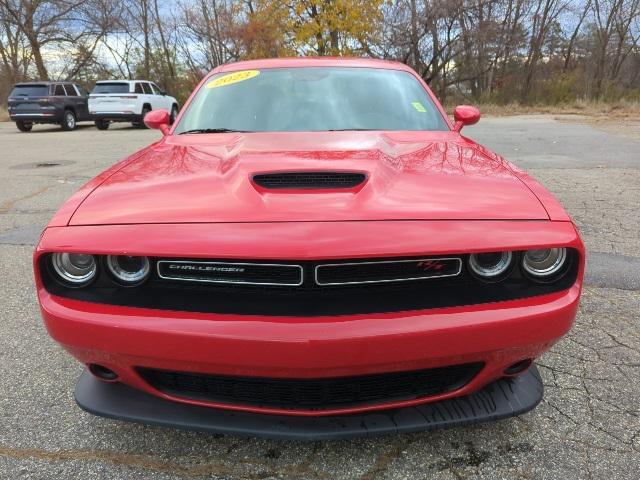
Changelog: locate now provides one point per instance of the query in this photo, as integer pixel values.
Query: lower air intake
(311, 394)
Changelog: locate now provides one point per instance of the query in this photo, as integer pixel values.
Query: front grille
(311, 394)
(344, 273)
(309, 180)
(352, 287)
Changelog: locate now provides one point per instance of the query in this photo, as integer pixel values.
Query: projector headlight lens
(490, 266)
(544, 263)
(75, 269)
(128, 270)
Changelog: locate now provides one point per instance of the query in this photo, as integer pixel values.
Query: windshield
(311, 99)
(111, 88)
(30, 91)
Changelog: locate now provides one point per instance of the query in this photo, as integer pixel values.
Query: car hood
(409, 176)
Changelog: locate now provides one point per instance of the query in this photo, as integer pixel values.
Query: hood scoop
(309, 180)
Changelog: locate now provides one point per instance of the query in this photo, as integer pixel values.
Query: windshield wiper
(213, 130)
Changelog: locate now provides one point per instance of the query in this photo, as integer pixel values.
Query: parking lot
(588, 425)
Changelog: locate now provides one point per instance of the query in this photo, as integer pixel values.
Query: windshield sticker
(234, 77)
(419, 107)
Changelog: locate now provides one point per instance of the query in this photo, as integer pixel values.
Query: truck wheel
(174, 114)
(24, 126)
(140, 123)
(68, 120)
(102, 124)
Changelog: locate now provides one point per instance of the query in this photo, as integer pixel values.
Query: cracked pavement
(587, 426)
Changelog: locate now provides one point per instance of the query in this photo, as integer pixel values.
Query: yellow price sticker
(231, 78)
(419, 107)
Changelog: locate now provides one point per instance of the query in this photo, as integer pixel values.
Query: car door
(59, 98)
(141, 98)
(154, 97)
(163, 99)
(77, 100)
(147, 94)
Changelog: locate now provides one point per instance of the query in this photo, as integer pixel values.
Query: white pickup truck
(127, 101)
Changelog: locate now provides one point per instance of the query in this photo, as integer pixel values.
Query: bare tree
(576, 31)
(14, 52)
(42, 22)
(545, 14)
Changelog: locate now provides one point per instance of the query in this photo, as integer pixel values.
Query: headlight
(128, 270)
(491, 266)
(544, 263)
(76, 269)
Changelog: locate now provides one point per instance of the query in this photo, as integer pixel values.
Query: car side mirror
(465, 115)
(158, 120)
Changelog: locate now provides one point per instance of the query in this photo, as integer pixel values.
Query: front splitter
(501, 399)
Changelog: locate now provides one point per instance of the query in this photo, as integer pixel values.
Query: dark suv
(64, 103)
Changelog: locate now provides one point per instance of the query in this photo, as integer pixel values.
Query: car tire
(102, 124)
(140, 123)
(24, 126)
(68, 121)
(174, 114)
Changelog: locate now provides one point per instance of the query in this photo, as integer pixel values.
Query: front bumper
(501, 399)
(123, 338)
(497, 334)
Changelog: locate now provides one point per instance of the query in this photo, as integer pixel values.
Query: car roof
(123, 81)
(45, 82)
(297, 62)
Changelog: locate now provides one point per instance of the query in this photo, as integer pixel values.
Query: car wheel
(102, 124)
(68, 120)
(141, 124)
(24, 126)
(174, 114)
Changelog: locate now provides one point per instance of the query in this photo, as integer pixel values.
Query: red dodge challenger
(311, 251)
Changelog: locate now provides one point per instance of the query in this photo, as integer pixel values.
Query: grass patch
(619, 109)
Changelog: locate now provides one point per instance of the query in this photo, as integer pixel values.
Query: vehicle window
(111, 87)
(138, 88)
(71, 92)
(313, 99)
(146, 88)
(156, 90)
(81, 91)
(30, 91)
(58, 90)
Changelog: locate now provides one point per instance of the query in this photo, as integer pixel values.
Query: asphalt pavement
(588, 425)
